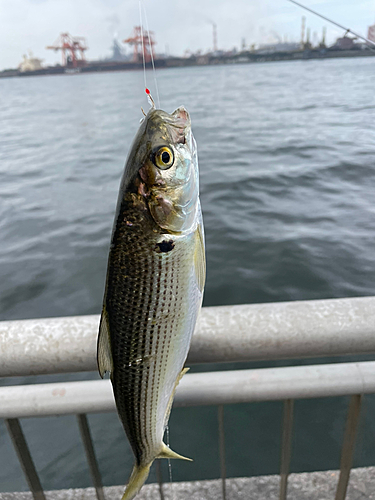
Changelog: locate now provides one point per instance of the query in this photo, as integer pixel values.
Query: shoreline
(246, 57)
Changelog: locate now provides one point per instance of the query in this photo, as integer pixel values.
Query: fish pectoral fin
(137, 480)
(104, 355)
(168, 453)
(170, 402)
(200, 258)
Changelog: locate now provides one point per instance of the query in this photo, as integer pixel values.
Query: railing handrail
(197, 389)
(283, 330)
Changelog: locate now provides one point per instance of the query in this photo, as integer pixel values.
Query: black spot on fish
(164, 246)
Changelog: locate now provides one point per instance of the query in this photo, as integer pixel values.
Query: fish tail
(140, 473)
(137, 479)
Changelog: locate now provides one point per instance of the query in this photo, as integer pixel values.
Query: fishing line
(170, 465)
(370, 44)
(149, 96)
(143, 49)
(152, 57)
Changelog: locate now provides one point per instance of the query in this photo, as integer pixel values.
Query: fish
(154, 286)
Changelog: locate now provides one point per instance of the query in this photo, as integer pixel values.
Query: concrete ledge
(305, 486)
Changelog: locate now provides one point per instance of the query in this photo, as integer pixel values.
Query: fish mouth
(174, 127)
(181, 125)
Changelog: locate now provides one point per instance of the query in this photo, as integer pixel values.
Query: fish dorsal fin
(200, 258)
(104, 355)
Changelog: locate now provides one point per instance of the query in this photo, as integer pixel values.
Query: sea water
(287, 172)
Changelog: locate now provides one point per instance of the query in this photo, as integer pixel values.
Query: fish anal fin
(168, 453)
(104, 355)
(170, 402)
(200, 258)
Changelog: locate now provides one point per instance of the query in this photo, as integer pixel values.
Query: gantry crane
(141, 38)
(72, 48)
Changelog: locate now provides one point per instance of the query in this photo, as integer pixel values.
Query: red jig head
(149, 97)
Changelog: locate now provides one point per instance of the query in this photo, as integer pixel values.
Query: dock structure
(215, 58)
(290, 330)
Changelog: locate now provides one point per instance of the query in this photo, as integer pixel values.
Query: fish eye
(164, 158)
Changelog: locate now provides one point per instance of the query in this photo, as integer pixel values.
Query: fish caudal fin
(137, 479)
(140, 473)
(168, 453)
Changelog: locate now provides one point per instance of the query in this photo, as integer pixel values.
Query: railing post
(348, 445)
(24, 456)
(286, 447)
(159, 477)
(223, 472)
(90, 454)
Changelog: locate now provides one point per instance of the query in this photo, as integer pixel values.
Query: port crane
(72, 48)
(141, 39)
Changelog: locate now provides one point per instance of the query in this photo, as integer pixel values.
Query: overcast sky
(32, 24)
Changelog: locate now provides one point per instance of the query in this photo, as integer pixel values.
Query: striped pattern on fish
(155, 279)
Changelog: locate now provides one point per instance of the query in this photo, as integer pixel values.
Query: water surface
(287, 163)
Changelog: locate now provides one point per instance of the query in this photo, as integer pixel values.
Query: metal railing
(228, 333)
